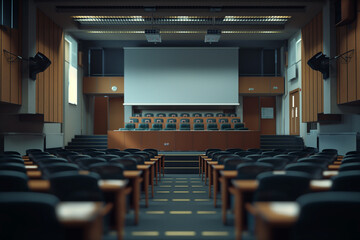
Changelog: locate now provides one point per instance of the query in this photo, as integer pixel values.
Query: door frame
(290, 101)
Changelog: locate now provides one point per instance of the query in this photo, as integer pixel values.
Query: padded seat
(225, 126)
(156, 127)
(170, 126)
(198, 126)
(184, 126)
(212, 126)
(142, 127)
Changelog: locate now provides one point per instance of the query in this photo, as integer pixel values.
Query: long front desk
(183, 140)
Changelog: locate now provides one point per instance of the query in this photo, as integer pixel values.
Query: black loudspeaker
(38, 64)
(319, 62)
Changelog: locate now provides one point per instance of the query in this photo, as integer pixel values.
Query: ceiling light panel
(184, 20)
(184, 32)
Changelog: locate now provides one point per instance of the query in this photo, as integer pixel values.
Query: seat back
(211, 120)
(347, 181)
(161, 115)
(197, 115)
(145, 156)
(349, 166)
(129, 126)
(86, 163)
(208, 114)
(198, 120)
(355, 159)
(234, 150)
(19, 167)
(28, 215)
(184, 115)
(53, 168)
(277, 162)
(158, 120)
(210, 150)
(239, 125)
(146, 120)
(184, 120)
(212, 126)
(72, 186)
(132, 150)
(13, 181)
(152, 150)
(220, 115)
(320, 213)
(252, 170)
(222, 158)
(129, 163)
(172, 114)
(108, 170)
(315, 171)
(171, 120)
(157, 126)
(236, 120)
(225, 126)
(255, 157)
(148, 115)
(134, 120)
(184, 126)
(232, 164)
(223, 120)
(143, 126)
(322, 162)
(170, 126)
(282, 187)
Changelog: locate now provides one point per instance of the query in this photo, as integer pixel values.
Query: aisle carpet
(180, 209)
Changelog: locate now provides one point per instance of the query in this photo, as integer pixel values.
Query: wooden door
(251, 110)
(294, 112)
(268, 122)
(101, 115)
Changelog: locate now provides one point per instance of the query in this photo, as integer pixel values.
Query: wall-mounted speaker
(345, 12)
(38, 64)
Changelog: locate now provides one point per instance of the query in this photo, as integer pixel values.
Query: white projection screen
(181, 76)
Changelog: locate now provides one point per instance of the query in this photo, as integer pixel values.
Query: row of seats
(184, 120)
(183, 126)
(329, 215)
(185, 115)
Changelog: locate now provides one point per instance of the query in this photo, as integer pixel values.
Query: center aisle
(181, 209)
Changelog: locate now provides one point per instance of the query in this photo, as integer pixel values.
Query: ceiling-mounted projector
(212, 35)
(319, 62)
(153, 35)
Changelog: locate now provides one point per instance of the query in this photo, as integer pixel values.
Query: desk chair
(87, 162)
(198, 126)
(121, 153)
(243, 153)
(222, 158)
(152, 150)
(225, 126)
(251, 170)
(355, 159)
(223, 120)
(134, 120)
(28, 215)
(231, 114)
(13, 181)
(137, 115)
(72, 186)
(11, 159)
(234, 150)
(146, 120)
(132, 150)
(185, 120)
(128, 127)
(156, 127)
(158, 120)
(95, 153)
(352, 153)
(19, 167)
(347, 181)
(239, 126)
(108, 170)
(108, 157)
(50, 169)
(211, 120)
(198, 120)
(212, 126)
(161, 115)
(148, 115)
(145, 155)
(197, 115)
(315, 170)
(321, 162)
(320, 213)
(278, 163)
(291, 158)
(171, 120)
(11, 153)
(215, 154)
(236, 120)
(220, 115)
(127, 162)
(33, 150)
(184, 126)
(170, 126)
(282, 187)
(184, 115)
(254, 157)
(349, 166)
(208, 115)
(142, 127)
(172, 114)
(210, 150)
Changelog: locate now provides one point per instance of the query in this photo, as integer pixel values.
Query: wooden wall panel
(102, 85)
(100, 115)
(348, 77)
(10, 69)
(312, 83)
(251, 113)
(268, 126)
(49, 85)
(116, 113)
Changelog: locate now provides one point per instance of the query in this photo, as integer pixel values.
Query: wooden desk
(115, 187)
(183, 140)
(242, 187)
(84, 218)
(272, 215)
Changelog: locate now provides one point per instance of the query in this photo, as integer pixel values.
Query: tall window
(71, 56)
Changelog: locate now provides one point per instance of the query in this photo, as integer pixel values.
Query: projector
(153, 35)
(212, 36)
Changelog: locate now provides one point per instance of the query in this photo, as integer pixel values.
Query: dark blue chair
(349, 166)
(315, 170)
(13, 181)
(277, 162)
(13, 167)
(29, 216)
(252, 169)
(346, 181)
(108, 170)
